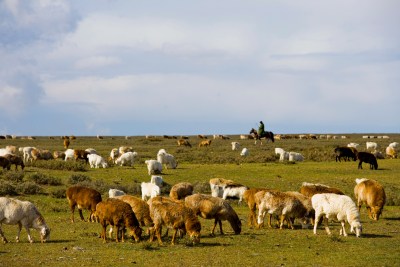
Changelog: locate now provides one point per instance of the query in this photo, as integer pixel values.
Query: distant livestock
(295, 156)
(23, 213)
(235, 146)
(209, 207)
(167, 159)
(205, 143)
(372, 146)
(112, 193)
(337, 207)
(367, 158)
(126, 159)
(391, 152)
(217, 186)
(96, 161)
(372, 194)
(83, 198)
(183, 142)
(345, 152)
(234, 191)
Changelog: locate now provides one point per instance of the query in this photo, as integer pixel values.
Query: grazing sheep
(309, 189)
(234, 190)
(96, 161)
(367, 158)
(120, 215)
(245, 152)
(181, 190)
(153, 166)
(285, 205)
(26, 151)
(372, 194)
(149, 190)
(295, 156)
(205, 143)
(83, 198)
(81, 154)
(5, 163)
(306, 201)
(249, 198)
(209, 207)
(235, 146)
(114, 154)
(58, 155)
(69, 154)
(91, 151)
(183, 142)
(346, 153)
(126, 159)
(355, 145)
(283, 155)
(66, 143)
(165, 158)
(338, 207)
(217, 186)
(391, 152)
(395, 145)
(124, 149)
(158, 180)
(140, 208)
(16, 160)
(112, 193)
(23, 213)
(372, 146)
(175, 216)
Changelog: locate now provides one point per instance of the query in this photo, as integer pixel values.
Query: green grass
(78, 244)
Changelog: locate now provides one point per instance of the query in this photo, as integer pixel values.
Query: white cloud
(96, 62)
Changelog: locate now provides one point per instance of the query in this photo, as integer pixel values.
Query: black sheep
(367, 158)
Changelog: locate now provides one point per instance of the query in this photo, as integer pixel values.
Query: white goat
(96, 161)
(153, 166)
(158, 180)
(149, 190)
(372, 146)
(340, 207)
(126, 159)
(112, 193)
(165, 158)
(234, 190)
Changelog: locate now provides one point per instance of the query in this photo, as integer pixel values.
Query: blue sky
(190, 67)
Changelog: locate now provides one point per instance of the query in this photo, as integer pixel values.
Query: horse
(267, 135)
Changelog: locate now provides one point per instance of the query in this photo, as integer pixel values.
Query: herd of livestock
(180, 210)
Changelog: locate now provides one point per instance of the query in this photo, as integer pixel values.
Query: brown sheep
(59, 155)
(209, 207)
(249, 198)
(81, 154)
(309, 189)
(367, 158)
(16, 160)
(205, 143)
(306, 201)
(181, 190)
(372, 194)
(140, 208)
(5, 163)
(66, 142)
(83, 198)
(176, 216)
(120, 215)
(183, 142)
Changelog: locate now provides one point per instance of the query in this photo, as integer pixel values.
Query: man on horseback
(261, 130)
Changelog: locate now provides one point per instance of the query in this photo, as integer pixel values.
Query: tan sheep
(181, 190)
(209, 207)
(83, 198)
(309, 189)
(249, 198)
(372, 194)
(140, 208)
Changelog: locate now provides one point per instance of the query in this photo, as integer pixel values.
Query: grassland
(78, 243)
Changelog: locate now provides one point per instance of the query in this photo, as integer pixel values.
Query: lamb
(209, 207)
(23, 213)
(176, 216)
(340, 207)
(69, 154)
(245, 152)
(16, 160)
(391, 152)
(372, 146)
(235, 146)
(249, 198)
(96, 161)
(183, 142)
(114, 154)
(83, 198)
(153, 166)
(372, 194)
(124, 149)
(234, 190)
(217, 186)
(181, 190)
(113, 193)
(205, 143)
(367, 158)
(309, 189)
(282, 204)
(120, 215)
(26, 151)
(126, 159)
(164, 158)
(157, 180)
(295, 156)
(346, 153)
(395, 145)
(149, 190)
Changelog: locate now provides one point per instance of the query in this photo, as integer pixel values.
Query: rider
(261, 129)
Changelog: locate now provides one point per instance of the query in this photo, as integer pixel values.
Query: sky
(102, 67)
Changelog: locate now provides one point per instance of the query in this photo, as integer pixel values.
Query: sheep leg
(72, 213)
(80, 214)
(110, 233)
(118, 232)
(326, 226)
(2, 235)
(317, 218)
(343, 230)
(213, 229)
(158, 233)
(282, 219)
(173, 236)
(269, 220)
(220, 227)
(19, 232)
(27, 230)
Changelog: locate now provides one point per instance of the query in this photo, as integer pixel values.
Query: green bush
(76, 166)
(29, 188)
(58, 193)
(44, 179)
(12, 176)
(7, 188)
(78, 178)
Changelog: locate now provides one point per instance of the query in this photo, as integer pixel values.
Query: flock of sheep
(181, 209)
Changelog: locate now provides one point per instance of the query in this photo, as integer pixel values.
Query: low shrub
(58, 193)
(12, 176)
(77, 166)
(78, 178)
(44, 179)
(29, 188)
(7, 188)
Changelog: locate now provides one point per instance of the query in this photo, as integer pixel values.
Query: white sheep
(165, 158)
(153, 166)
(234, 190)
(295, 156)
(355, 145)
(69, 154)
(235, 146)
(338, 207)
(112, 193)
(395, 145)
(158, 180)
(283, 155)
(372, 146)
(91, 151)
(126, 159)
(96, 161)
(149, 190)
(114, 154)
(245, 152)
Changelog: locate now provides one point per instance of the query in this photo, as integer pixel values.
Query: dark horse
(267, 135)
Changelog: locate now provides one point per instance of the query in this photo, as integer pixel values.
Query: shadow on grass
(57, 241)
(213, 244)
(375, 236)
(392, 219)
